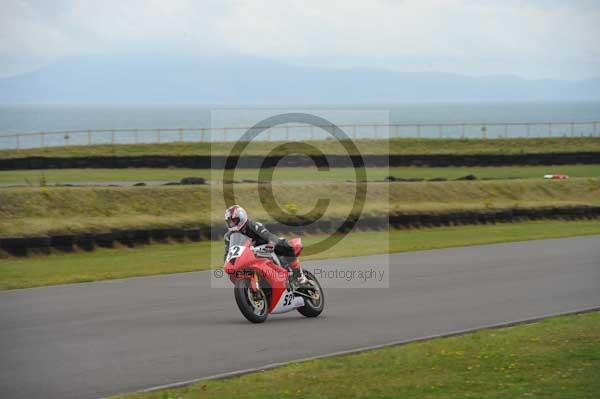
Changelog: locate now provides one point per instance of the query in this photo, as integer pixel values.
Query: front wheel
(253, 305)
(314, 305)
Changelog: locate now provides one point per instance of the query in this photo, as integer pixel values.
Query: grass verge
(555, 358)
(404, 146)
(281, 174)
(58, 210)
(104, 264)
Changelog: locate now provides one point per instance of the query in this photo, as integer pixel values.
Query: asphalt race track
(98, 339)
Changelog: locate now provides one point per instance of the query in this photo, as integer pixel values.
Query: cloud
(22, 34)
(534, 38)
(469, 34)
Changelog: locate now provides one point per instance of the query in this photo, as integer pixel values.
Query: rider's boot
(297, 273)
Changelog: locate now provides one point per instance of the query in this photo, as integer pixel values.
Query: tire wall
(253, 162)
(23, 246)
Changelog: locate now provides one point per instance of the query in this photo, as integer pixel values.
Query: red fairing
(296, 243)
(247, 263)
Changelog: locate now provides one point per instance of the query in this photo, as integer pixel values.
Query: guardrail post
(202, 134)
(89, 134)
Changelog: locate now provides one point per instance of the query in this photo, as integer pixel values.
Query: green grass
(554, 358)
(57, 210)
(53, 176)
(365, 146)
(103, 264)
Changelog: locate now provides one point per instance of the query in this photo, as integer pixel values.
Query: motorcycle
(262, 286)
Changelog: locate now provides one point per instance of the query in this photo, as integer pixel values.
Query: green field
(53, 176)
(394, 146)
(57, 210)
(103, 264)
(554, 358)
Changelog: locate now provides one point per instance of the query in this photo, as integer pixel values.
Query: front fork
(254, 282)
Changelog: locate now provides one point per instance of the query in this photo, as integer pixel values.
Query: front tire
(253, 305)
(312, 307)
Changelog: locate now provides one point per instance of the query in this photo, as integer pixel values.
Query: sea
(492, 119)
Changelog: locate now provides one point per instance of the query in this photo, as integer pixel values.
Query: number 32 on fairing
(235, 251)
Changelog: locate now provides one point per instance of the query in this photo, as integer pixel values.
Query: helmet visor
(232, 222)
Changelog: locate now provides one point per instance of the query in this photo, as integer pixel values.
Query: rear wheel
(314, 305)
(253, 305)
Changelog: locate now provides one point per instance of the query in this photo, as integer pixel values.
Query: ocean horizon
(48, 118)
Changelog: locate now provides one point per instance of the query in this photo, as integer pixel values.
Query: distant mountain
(247, 80)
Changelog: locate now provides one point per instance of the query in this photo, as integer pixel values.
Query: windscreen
(238, 239)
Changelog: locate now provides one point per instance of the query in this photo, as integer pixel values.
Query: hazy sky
(534, 39)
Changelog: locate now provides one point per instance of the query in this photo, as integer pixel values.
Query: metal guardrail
(499, 130)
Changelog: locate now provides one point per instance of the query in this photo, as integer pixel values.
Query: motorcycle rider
(237, 220)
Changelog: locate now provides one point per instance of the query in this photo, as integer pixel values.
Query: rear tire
(253, 309)
(312, 307)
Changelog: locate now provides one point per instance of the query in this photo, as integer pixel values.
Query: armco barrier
(253, 162)
(22, 246)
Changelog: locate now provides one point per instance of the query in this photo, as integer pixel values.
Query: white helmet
(235, 218)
